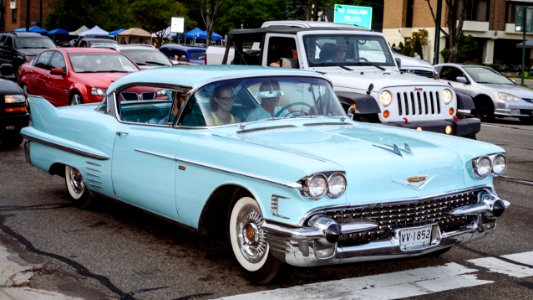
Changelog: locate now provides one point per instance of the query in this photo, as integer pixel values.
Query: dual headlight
(385, 97)
(495, 164)
(320, 184)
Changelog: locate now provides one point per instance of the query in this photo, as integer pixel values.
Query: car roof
(24, 34)
(196, 75)
(86, 50)
(182, 47)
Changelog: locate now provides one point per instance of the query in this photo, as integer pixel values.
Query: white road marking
(402, 284)
(508, 268)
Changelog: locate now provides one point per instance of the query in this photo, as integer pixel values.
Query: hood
(515, 90)
(380, 79)
(374, 157)
(99, 79)
(30, 52)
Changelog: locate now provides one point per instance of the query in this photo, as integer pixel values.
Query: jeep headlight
(447, 96)
(385, 97)
(506, 97)
(97, 91)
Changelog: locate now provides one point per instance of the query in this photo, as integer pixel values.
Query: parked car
(494, 94)
(144, 55)
(415, 66)
(90, 41)
(17, 48)
(307, 186)
(13, 113)
(184, 54)
(66, 76)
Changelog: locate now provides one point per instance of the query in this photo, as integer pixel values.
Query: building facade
(13, 13)
(491, 22)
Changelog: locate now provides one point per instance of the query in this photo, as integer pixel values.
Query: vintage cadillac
(268, 158)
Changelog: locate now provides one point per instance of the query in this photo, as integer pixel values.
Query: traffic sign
(353, 15)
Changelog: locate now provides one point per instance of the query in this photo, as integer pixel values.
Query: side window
(282, 52)
(57, 61)
(43, 61)
(449, 73)
(8, 42)
(149, 105)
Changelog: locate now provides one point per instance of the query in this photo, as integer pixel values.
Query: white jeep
(366, 77)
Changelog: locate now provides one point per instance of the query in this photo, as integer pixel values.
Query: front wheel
(249, 243)
(77, 190)
(75, 99)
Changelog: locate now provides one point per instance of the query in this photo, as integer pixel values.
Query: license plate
(415, 238)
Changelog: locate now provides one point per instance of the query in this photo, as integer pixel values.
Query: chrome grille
(394, 216)
(528, 100)
(418, 103)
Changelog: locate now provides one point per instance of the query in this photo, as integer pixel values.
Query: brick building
(491, 22)
(13, 13)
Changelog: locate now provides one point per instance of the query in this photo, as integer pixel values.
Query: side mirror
(58, 71)
(7, 69)
(461, 79)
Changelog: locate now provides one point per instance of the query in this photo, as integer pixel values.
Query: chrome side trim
(291, 185)
(65, 148)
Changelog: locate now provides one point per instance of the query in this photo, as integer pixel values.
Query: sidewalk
(15, 275)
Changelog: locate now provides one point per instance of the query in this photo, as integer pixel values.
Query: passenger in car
(268, 96)
(221, 104)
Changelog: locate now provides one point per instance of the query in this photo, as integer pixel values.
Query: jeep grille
(418, 103)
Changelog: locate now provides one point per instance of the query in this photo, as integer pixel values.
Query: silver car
(494, 94)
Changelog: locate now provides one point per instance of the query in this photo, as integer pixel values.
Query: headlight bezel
(331, 187)
(96, 91)
(483, 166)
(15, 98)
(447, 96)
(506, 97)
(385, 98)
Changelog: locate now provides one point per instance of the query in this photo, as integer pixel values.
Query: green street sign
(520, 12)
(353, 15)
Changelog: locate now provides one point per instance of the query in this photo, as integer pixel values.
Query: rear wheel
(77, 190)
(249, 243)
(75, 99)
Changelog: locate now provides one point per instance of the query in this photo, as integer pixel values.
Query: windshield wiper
(369, 64)
(154, 63)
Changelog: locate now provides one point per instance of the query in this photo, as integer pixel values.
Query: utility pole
(27, 15)
(437, 33)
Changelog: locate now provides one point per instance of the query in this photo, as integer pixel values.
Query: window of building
(477, 10)
(409, 14)
(14, 16)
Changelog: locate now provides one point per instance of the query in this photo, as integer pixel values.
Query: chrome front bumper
(318, 245)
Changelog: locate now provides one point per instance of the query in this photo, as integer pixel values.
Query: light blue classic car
(268, 158)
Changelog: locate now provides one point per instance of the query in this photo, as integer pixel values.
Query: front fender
(365, 104)
(464, 101)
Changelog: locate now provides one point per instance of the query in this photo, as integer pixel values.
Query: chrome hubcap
(251, 236)
(76, 180)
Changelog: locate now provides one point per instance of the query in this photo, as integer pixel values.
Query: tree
(209, 11)
(155, 15)
(455, 19)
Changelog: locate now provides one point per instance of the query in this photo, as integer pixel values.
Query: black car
(13, 113)
(17, 48)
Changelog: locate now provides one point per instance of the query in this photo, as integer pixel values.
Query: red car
(72, 76)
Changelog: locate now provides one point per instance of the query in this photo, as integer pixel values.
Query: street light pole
(27, 15)
(437, 33)
(524, 13)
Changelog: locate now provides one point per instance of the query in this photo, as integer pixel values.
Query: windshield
(255, 99)
(486, 75)
(101, 63)
(34, 42)
(147, 57)
(197, 55)
(347, 49)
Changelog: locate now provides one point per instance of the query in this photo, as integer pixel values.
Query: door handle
(120, 133)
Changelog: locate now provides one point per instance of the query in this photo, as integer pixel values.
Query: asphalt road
(116, 251)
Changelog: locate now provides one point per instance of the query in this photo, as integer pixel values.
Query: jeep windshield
(34, 42)
(347, 50)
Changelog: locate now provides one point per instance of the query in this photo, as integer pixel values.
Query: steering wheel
(296, 113)
(363, 59)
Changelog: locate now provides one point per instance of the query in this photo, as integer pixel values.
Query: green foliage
(414, 43)
(467, 50)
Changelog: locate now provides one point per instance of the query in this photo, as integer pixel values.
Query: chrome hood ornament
(416, 182)
(396, 149)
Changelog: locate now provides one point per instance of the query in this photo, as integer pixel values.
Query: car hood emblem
(415, 182)
(396, 149)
